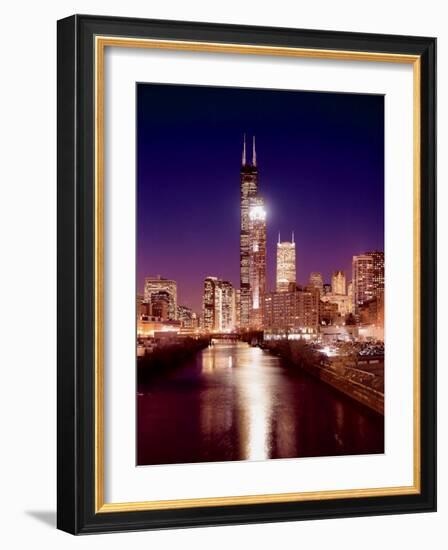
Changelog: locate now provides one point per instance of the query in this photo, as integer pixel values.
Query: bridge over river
(225, 337)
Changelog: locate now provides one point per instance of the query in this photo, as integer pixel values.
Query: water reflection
(216, 401)
(235, 402)
(255, 402)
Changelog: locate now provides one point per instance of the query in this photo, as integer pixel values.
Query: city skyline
(260, 220)
(188, 246)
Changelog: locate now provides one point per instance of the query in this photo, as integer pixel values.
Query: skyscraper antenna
(279, 237)
(243, 160)
(254, 153)
(293, 237)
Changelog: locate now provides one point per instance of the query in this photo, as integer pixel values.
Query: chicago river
(232, 401)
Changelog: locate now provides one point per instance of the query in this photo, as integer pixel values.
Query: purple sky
(321, 171)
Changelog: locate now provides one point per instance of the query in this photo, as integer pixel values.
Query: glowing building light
(257, 212)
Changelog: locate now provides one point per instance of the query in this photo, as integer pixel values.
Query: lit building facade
(210, 304)
(316, 280)
(157, 284)
(371, 317)
(252, 244)
(296, 310)
(237, 307)
(341, 300)
(326, 289)
(329, 313)
(187, 318)
(286, 264)
(140, 306)
(218, 311)
(350, 296)
(184, 313)
(160, 305)
(372, 311)
(378, 271)
(368, 278)
(257, 259)
(338, 283)
(228, 306)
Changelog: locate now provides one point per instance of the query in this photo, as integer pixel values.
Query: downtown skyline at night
(321, 174)
(260, 274)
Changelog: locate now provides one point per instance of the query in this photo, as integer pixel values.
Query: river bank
(361, 378)
(167, 357)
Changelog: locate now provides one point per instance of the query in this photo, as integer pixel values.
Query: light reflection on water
(248, 387)
(235, 402)
(254, 391)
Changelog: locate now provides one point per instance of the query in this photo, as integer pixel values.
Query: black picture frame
(76, 286)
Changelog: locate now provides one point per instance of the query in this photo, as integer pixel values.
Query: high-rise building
(257, 259)
(378, 271)
(237, 307)
(326, 289)
(218, 312)
(350, 296)
(286, 264)
(184, 314)
(160, 305)
(316, 280)
(157, 284)
(228, 303)
(252, 243)
(187, 318)
(296, 309)
(368, 277)
(362, 280)
(210, 304)
(338, 283)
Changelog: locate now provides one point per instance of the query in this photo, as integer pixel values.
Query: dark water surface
(235, 402)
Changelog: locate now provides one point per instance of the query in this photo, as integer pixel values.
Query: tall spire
(254, 153)
(279, 237)
(243, 160)
(293, 237)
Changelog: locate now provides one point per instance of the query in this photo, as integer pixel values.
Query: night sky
(321, 170)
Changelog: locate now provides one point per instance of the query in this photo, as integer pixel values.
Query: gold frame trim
(101, 42)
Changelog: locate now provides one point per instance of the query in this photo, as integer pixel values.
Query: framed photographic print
(246, 274)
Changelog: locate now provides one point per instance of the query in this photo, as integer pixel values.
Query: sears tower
(252, 244)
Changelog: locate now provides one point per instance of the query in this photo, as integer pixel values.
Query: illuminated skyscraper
(286, 264)
(257, 259)
(378, 271)
(218, 312)
(317, 281)
(228, 304)
(368, 277)
(338, 282)
(252, 243)
(211, 304)
(362, 280)
(350, 296)
(157, 284)
(237, 307)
